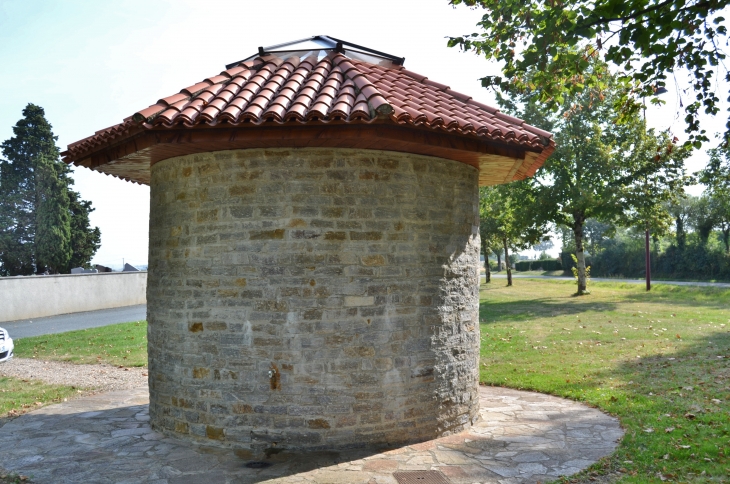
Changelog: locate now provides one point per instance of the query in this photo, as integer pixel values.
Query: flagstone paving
(523, 437)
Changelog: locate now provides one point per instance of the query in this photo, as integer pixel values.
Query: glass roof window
(325, 44)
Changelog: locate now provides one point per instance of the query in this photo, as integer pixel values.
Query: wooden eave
(130, 157)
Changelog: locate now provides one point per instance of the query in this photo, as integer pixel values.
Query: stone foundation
(313, 298)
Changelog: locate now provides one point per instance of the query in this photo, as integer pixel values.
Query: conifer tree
(84, 240)
(37, 226)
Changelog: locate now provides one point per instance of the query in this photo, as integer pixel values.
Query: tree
(504, 220)
(717, 178)
(543, 246)
(599, 165)
(680, 209)
(595, 232)
(703, 218)
(84, 240)
(644, 40)
(53, 218)
(488, 236)
(42, 222)
(720, 208)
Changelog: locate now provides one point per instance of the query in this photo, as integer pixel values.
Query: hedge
(539, 265)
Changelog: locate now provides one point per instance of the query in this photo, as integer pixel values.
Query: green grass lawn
(119, 344)
(21, 396)
(659, 361)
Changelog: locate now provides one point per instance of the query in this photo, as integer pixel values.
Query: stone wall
(313, 298)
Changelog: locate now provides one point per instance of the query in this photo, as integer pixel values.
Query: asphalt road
(70, 322)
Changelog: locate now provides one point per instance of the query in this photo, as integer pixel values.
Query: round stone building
(314, 247)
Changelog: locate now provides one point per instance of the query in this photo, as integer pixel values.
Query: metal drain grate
(420, 477)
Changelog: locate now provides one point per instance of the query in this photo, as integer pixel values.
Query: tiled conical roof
(320, 88)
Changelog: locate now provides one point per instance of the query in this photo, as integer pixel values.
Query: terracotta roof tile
(320, 90)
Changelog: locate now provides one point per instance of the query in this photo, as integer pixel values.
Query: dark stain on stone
(275, 378)
(196, 327)
(421, 372)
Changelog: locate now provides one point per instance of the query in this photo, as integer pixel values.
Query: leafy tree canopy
(615, 173)
(645, 40)
(504, 224)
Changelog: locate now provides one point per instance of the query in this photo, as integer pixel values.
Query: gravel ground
(99, 378)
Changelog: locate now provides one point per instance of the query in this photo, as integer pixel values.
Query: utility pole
(657, 92)
(648, 260)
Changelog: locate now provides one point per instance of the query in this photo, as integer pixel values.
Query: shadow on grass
(709, 297)
(511, 311)
(673, 407)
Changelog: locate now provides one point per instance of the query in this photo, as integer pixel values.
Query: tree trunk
(487, 272)
(580, 255)
(499, 261)
(726, 239)
(506, 262)
(681, 236)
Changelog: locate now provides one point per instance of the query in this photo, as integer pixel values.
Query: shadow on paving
(523, 437)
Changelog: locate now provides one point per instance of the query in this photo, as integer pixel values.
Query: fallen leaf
(669, 429)
(690, 415)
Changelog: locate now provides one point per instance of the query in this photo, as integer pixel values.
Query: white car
(6, 346)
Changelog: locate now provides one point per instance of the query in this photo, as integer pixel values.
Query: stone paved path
(522, 437)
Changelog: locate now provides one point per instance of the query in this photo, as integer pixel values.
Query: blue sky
(90, 64)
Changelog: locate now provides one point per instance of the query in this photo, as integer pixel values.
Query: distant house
(129, 268)
(81, 270)
(101, 268)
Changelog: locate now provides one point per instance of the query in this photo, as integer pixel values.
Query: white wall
(25, 297)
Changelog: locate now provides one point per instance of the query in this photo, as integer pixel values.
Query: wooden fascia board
(162, 143)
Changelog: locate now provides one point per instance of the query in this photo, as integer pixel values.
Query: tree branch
(638, 14)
